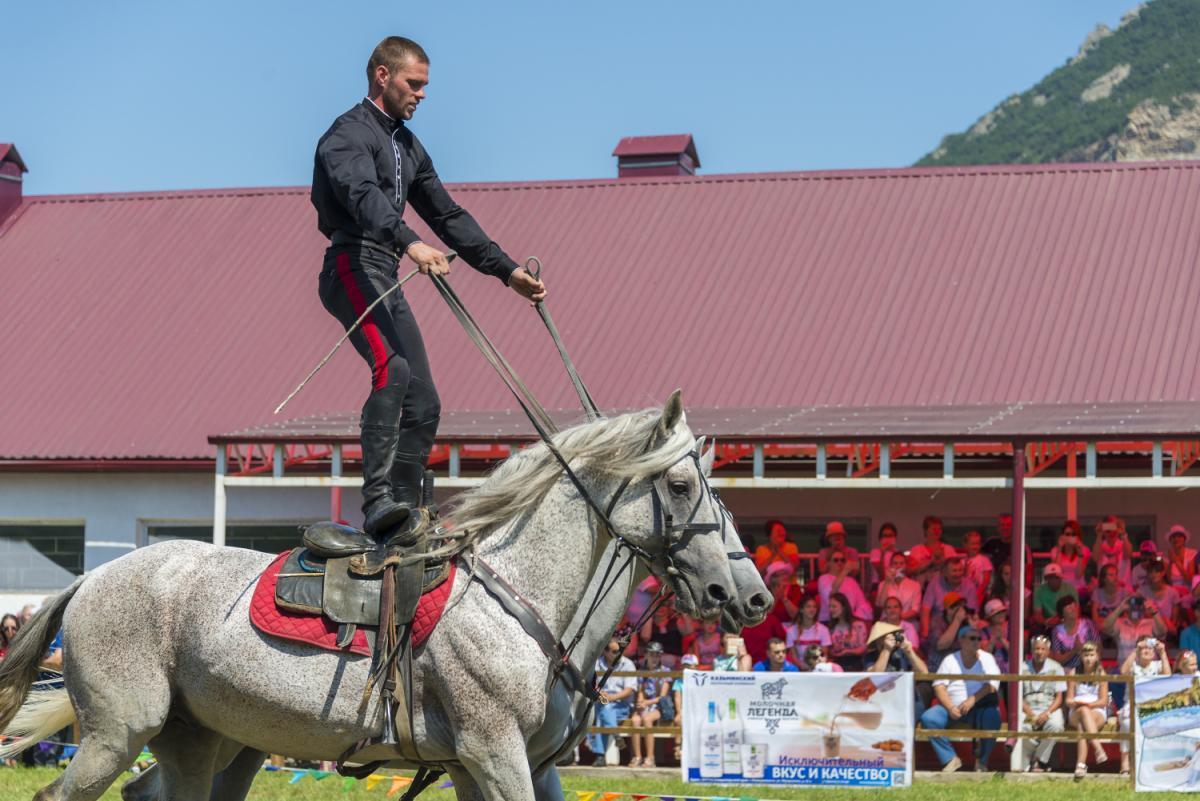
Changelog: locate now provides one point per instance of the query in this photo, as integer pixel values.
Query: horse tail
(44, 713)
(19, 668)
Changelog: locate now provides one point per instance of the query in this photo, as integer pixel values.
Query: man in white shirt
(1041, 705)
(899, 586)
(975, 703)
(620, 691)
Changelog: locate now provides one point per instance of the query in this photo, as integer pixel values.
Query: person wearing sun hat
(1181, 561)
(835, 537)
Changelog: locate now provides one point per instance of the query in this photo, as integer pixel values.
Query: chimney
(639, 156)
(11, 168)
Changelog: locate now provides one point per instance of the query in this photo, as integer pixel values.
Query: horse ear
(672, 413)
(706, 457)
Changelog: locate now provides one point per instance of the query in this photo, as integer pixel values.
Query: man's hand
(527, 286)
(955, 712)
(429, 260)
(1041, 719)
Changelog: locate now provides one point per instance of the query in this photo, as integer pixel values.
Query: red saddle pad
(319, 630)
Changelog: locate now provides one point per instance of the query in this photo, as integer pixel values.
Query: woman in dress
(806, 630)
(847, 633)
(1087, 705)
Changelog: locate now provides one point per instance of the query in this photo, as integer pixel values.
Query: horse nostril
(759, 601)
(718, 593)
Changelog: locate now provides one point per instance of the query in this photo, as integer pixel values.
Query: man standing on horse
(369, 165)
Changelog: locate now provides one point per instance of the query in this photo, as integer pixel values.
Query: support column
(219, 498)
(335, 492)
(1016, 595)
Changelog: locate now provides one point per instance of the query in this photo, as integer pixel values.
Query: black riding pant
(389, 340)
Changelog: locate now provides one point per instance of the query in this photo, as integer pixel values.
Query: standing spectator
(1161, 595)
(1072, 556)
(1185, 663)
(1087, 703)
(1108, 594)
(9, 626)
(835, 536)
(781, 580)
(817, 661)
(974, 701)
(777, 658)
(654, 703)
(849, 634)
(807, 630)
(952, 580)
(1113, 547)
(1002, 588)
(893, 615)
(899, 586)
(706, 645)
(1041, 705)
(926, 559)
(892, 651)
(1048, 594)
(881, 557)
(733, 654)
(1149, 658)
(978, 566)
(778, 547)
(999, 548)
(1071, 634)
(994, 628)
(1181, 561)
(619, 690)
(1147, 555)
(663, 629)
(838, 579)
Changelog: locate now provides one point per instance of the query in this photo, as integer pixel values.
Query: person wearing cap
(1047, 595)
(654, 703)
(1147, 555)
(952, 580)
(897, 585)
(1041, 705)
(777, 659)
(835, 539)
(974, 702)
(1072, 633)
(686, 662)
(1113, 547)
(994, 626)
(777, 548)
(620, 693)
(926, 559)
(881, 556)
(891, 650)
(1161, 595)
(1181, 561)
(948, 624)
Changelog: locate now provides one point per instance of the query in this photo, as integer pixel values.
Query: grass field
(17, 784)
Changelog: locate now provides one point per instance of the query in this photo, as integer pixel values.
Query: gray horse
(160, 651)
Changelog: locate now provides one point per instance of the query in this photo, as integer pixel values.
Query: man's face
(1041, 650)
(972, 544)
(933, 533)
(777, 653)
(836, 539)
(1054, 582)
(897, 565)
(1004, 524)
(954, 572)
(969, 643)
(1157, 575)
(612, 652)
(837, 562)
(891, 611)
(887, 542)
(403, 88)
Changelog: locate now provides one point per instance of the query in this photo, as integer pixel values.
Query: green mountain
(1129, 94)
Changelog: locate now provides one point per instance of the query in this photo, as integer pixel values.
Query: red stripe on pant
(369, 329)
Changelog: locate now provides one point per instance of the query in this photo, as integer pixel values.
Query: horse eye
(679, 488)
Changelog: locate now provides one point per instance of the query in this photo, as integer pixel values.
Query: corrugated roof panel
(142, 323)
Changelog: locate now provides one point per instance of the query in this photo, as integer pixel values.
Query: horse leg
(548, 786)
(498, 763)
(103, 755)
(232, 783)
(465, 788)
(187, 760)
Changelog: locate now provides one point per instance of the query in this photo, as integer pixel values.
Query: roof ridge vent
(674, 154)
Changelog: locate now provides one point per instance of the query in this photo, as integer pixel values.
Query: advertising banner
(832, 729)
(1168, 733)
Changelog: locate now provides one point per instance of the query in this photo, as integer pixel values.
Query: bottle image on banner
(710, 745)
(731, 740)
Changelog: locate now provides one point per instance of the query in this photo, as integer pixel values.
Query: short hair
(772, 523)
(392, 52)
(889, 527)
(929, 521)
(1064, 602)
(775, 641)
(972, 533)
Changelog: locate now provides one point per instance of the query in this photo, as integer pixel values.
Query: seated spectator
(978, 567)
(620, 692)
(706, 645)
(1161, 595)
(1181, 561)
(1087, 705)
(807, 630)
(952, 580)
(849, 634)
(777, 658)
(893, 614)
(994, 627)
(778, 548)
(817, 661)
(835, 536)
(9, 626)
(1130, 622)
(1041, 705)
(974, 702)
(1072, 556)
(1113, 547)
(899, 586)
(1190, 637)
(654, 703)
(787, 595)
(1149, 658)
(1147, 554)
(27, 612)
(1108, 594)
(999, 548)
(892, 651)
(1071, 634)
(733, 654)
(838, 579)
(1185, 663)
(881, 557)
(955, 617)
(1048, 594)
(926, 559)
(663, 628)
(1001, 588)
(686, 662)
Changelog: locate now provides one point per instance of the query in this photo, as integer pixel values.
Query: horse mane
(613, 447)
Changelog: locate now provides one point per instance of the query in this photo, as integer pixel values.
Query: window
(40, 557)
(269, 538)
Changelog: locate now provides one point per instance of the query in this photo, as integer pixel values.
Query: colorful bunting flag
(611, 796)
(640, 797)
(347, 783)
(297, 776)
(321, 774)
(373, 781)
(584, 796)
(445, 785)
(398, 784)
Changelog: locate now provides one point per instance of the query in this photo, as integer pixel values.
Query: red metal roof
(669, 145)
(136, 325)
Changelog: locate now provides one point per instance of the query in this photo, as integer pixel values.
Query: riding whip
(450, 256)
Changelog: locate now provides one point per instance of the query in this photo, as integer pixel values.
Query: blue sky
(141, 95)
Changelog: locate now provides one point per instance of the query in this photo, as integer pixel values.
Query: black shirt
(368, 167)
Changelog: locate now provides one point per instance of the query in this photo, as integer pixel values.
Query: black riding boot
(380, 435)
(408, 470)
